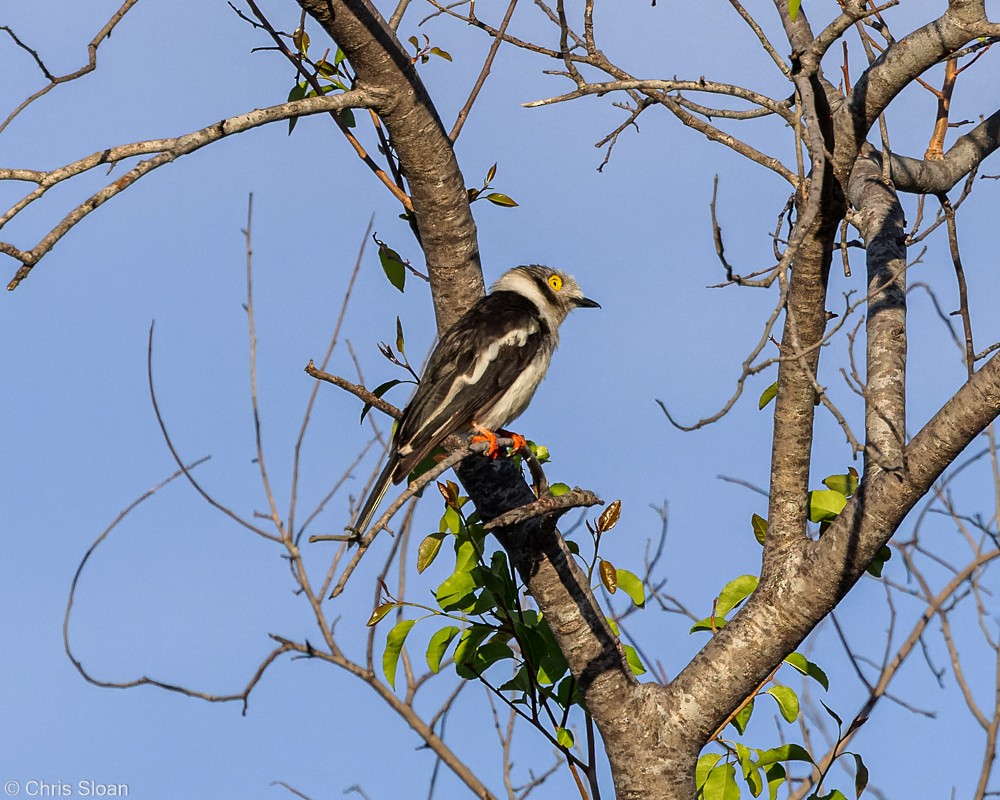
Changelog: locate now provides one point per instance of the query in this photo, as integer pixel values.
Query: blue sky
(180, 593)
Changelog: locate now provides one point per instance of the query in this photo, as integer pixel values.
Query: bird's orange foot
(518, 442)
(488, 436)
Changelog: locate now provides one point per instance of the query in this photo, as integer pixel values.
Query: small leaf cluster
(614, 578)
(423, 52)
(329, 75)
(484, 193)
(718, 775)
(491, 624)
(399, 360)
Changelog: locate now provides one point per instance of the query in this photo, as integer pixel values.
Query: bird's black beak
(586, 302)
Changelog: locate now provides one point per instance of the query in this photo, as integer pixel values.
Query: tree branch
(167, 150)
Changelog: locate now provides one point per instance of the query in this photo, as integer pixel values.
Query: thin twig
(483, 74)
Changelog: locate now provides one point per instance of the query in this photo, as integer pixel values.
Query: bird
(483, 371)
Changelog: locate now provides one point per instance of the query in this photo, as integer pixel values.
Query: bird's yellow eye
(555, 282)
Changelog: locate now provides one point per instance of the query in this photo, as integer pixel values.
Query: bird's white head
(554, 292)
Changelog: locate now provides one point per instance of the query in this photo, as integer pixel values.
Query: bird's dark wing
(475, 362)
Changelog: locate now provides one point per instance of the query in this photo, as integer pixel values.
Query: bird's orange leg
(486, 435)
(493, 450)
(519, 442)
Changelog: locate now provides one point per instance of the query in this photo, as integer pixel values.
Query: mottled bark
(882, 224)
(922, 176)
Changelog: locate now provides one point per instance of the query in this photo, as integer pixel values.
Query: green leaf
(338, 59)
(742, 719)
(469, 642)
(721, 784)
(744, 759)
(539, 451)
(437, 51)
(775, 775)
(568, 692)
(297, 93)
(346, 116)
(759, 528)
(500, 199)
(466, 555)
(484, 657)
(705, 765)
(755, 781)
(457, 592)
(472, 637)
(485, 603)
(860, 775)
(379, 613)
(785, 752)
(788, 702)
(451, 522)
(877, 563)
(834, 714)
(846, 484)
(491, 173)
(634, 662)
(557, 489)
(301, 40)
(393, 647)
(706, 624)
(629, 583)
(836, 794)
(438, 644)
(521, 682)
(825, 505)
(378, 391)
(734, 593)
(563, 736)
(428, 550)
(548, 657)
(793, 8)
(768, 395)
(497, 578)
(392, 265)
(400, 342)
(427, 463)
(808, 668)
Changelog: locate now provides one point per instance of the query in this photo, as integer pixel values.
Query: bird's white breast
(512, 403)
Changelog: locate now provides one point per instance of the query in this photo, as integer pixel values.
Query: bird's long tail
(378, 491)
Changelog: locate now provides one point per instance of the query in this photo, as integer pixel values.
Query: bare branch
(55, 80)
(167, 150)
(934, 176)
(176, 456)
(242, 696)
